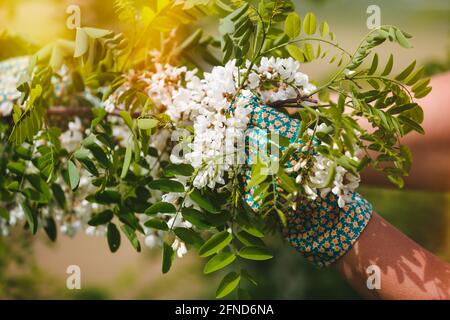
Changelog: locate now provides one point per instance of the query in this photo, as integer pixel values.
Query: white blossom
(179, 247)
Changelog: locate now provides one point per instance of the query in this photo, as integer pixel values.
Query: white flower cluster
(283, 75)
(206, 104)
(343, 184)
(10, 73)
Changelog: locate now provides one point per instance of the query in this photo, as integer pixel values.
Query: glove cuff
(322, 232)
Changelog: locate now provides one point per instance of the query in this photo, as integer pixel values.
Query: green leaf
(157, 224)
(423, 93)
(292, 25)
(374, 65)
(131, 220)
(249, 240)
(74, 176)
(389, 66)
(182, 169)
(309, 24)
(160, 207)
(189, 236)
(308, 52)
(402, 108)
(414, 77)
(16, 167)
(397, 181)
(107, 197)
(131, 235)
(13, 186)
(228, 284)
(295, 53)
(113, 236)
(203, 202)
(255, 253)
(365, 161)
(197, 218)
(412, 124)
(422, 84)
(46, 162)
(147, 124)
(401, 39)
(168, 255)
(281, 216)
(215, 243)
(82, 155)
(31, 217)
(99, 154)
(252, 230)
(348, 163)
(166, 185)
(259, 173)
(127, 119)
(287, 182)
(219, 261)
(101, 218)
(50, 228)
(324, 29)
(406, 72)
(239, 12)
(23, 152)
(127, 160)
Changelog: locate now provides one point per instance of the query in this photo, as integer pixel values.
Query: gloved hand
(319, 229)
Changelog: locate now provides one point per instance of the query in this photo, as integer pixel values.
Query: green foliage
(228, 284)
(219, 261)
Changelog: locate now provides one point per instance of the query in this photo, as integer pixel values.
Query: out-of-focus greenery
(22, 278)
(19, 276)
(433, 67)
(12, 45)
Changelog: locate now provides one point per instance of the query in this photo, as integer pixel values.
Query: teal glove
(319, 229)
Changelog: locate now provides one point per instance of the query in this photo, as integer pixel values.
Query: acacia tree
(87, 144)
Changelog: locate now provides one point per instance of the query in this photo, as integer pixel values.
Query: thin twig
(295, 101)
(80, 111)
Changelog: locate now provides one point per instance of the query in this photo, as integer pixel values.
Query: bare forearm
(408, 271)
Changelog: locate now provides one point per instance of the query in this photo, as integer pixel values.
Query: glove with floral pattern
(320, 229)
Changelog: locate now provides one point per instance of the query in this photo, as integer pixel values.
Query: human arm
(407, 270)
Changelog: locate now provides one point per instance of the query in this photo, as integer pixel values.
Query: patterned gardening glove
(319, 229)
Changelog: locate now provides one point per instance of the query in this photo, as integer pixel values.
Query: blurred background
(36, 268)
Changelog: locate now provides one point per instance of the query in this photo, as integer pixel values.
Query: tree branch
(293, 101)
(80, 111)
